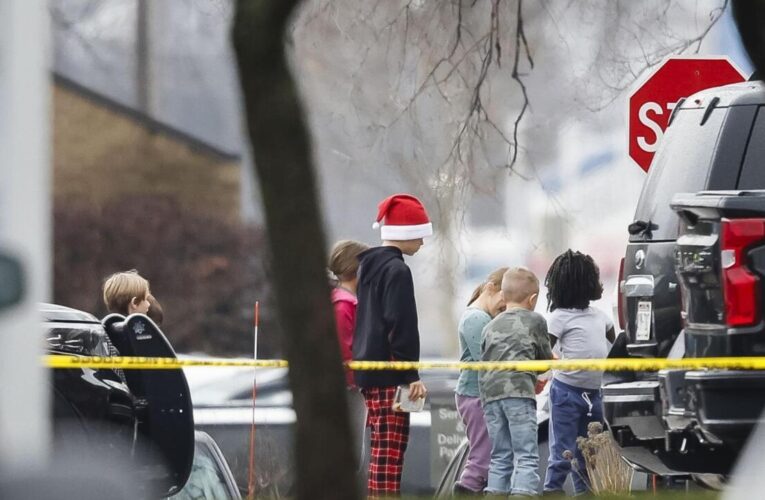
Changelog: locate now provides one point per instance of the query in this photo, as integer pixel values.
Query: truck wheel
(715, 482)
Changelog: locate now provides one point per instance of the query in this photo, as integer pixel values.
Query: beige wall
(101, 154)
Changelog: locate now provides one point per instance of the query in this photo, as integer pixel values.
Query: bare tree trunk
(324, 459)
(750, 19)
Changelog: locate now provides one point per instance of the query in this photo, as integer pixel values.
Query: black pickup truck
(673, 421)
(720, 260)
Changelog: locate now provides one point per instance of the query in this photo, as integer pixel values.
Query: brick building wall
(105, 151)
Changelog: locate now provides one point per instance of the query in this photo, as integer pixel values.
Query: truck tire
(716, 482)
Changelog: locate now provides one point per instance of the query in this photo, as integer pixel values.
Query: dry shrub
(608, 473)
(206, 272)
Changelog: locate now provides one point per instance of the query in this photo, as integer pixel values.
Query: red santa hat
(404, 217)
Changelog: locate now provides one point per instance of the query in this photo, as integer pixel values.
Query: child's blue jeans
(512, 426)
(571, 410)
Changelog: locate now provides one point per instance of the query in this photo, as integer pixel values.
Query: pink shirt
(345, 318)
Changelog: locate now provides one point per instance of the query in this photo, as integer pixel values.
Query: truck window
(680, 166)
(753, 171)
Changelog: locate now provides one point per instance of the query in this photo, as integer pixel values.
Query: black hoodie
(386, 317)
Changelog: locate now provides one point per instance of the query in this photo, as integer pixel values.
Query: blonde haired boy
(508, 397)
(126, 293)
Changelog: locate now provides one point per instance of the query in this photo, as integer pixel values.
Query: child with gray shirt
(581, 332)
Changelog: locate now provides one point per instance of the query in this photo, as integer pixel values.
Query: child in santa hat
(386, 329)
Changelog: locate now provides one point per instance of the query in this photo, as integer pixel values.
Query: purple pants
(476, 469)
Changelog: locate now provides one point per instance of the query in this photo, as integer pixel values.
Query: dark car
(714, 142)
(142, 418)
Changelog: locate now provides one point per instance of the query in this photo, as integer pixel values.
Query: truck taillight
(620, 305)
(741, 288)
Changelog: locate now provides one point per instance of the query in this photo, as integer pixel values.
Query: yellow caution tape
(146, 363)
(616, 364)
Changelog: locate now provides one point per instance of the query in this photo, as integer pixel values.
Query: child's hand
(417, 390)
(540, 385)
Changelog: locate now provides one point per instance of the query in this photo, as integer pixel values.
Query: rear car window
(206, 479)
(753, 170)
(681, 166)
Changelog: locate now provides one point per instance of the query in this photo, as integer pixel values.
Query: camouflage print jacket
(515, 335)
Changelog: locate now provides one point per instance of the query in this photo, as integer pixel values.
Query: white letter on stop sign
(655, 127)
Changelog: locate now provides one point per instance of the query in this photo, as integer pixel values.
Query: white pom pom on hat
(376, 225)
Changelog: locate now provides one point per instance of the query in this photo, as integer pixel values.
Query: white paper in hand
(401, 401)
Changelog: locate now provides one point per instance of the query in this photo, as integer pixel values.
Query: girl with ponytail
(485, 303)
(343, 265)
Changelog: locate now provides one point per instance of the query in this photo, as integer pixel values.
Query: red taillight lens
(620, 305)
(741, 288)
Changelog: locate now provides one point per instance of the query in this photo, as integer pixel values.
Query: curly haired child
(581, 332)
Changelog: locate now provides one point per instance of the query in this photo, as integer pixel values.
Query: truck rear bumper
(655, 434)
(636, 407)
(726, 404)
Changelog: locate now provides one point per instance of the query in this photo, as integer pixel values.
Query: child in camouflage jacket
(508, 397)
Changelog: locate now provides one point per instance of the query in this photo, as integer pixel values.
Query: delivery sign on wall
(651, 104)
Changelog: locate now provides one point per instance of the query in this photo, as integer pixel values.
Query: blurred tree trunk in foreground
(750, 20)
(325, 467)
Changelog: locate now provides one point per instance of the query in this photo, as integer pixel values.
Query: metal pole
(251, 469)
(143, 62)
(24, 228)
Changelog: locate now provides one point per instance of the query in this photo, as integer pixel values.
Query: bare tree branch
(520, 44)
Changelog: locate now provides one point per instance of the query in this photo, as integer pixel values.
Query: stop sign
(651, 104)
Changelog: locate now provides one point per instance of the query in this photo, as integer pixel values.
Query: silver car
(210, 477)
(223, 407)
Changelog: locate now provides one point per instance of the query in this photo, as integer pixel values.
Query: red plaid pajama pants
(390, 435)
